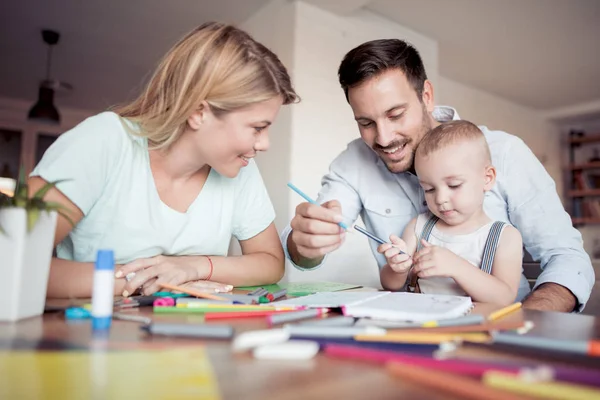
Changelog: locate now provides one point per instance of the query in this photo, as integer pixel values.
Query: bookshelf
(584, 189)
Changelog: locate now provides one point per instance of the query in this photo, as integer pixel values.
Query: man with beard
(393, 104)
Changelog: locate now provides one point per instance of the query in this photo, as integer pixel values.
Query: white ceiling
(544, 54)
(540, 53)
(107, 47)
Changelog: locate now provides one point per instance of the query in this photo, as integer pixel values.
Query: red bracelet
(211, 269)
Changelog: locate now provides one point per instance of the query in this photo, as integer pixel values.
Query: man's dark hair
(372, 58)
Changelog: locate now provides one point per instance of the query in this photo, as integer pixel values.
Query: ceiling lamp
(44, 110)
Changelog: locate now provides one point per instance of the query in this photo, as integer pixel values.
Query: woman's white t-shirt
(107, 175)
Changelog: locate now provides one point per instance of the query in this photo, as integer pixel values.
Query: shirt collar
(445, 114)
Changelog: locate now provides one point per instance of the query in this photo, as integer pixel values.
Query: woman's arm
(67, 278)
(261, 263)
(501, 286)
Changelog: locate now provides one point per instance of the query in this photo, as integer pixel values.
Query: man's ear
(427, 97)
(490, 178)
(197, 118)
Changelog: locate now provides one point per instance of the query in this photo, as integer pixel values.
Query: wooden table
(239, 376)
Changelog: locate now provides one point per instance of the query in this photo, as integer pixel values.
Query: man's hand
(315, 232)
(551, 297)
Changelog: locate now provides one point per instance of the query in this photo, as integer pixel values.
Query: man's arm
(551, 296)
(535, 209)
(313, 232)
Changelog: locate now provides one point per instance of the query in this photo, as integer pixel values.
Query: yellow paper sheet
(150, 374)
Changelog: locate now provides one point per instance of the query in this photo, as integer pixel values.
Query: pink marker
(164, 302)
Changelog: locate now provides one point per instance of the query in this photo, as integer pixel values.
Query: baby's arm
(393, 274)
(501, 286)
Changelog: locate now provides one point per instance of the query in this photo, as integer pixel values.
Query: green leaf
(36, 203)
(33, 214)
(6, 201)
(54, 206)
(44, 189)
(21, 188)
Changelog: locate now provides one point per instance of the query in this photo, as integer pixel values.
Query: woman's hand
(174, 270)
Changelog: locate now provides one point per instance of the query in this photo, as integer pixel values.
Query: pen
(256, 292)
(132, 318)
(199, 331)
(589, 348)
(296, 316)
(333, 331)
(461, 321)
(331, 321)
(371, 236)
(311, 201)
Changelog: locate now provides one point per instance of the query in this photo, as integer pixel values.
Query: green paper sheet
(304, 288)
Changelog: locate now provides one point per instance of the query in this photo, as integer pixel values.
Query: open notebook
(388, 306)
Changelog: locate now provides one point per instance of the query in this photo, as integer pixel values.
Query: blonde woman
(166, 180)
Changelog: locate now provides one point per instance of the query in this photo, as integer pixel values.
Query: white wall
(323, 123)
(273, 26)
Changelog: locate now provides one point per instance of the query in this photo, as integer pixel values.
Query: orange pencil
(465, 388)
(192, 292)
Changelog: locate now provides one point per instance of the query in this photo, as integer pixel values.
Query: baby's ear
(490, 178)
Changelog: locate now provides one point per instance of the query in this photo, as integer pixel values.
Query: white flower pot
(24, 263)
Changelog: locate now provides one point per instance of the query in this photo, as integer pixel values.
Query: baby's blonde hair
(450, 133)
(216, 63)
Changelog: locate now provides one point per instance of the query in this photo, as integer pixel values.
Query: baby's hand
(399, 262)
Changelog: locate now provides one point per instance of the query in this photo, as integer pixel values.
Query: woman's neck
(177, 162)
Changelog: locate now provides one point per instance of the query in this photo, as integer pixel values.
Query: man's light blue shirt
(524, 196)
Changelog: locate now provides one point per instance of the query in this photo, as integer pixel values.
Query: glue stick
(103, 292)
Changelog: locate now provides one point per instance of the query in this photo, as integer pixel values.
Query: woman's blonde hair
(216, 63)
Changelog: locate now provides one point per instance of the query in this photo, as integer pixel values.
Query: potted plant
(27, 226)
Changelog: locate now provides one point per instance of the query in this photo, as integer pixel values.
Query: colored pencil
(431, 338)
(191, 292)
(204, 310)
(473, 368)
(460, 386)
(243, 314)
(504, 311)
(311, 201)
(547, 390)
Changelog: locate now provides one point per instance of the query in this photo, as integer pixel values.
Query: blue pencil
(373, 237)
(311, 201)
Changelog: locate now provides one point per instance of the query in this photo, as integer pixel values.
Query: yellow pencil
(425, 338)
(547, 390)
(504, 311)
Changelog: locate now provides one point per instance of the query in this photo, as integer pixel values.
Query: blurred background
(527, 67)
